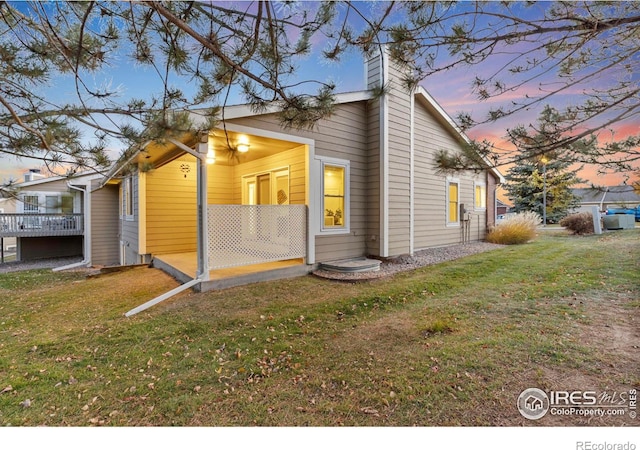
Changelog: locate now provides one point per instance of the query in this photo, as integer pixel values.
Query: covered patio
(255, 191)
(246, 243)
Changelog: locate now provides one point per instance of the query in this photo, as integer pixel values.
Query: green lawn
(452, 344)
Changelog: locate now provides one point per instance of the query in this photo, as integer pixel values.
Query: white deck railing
(36, 225)
(251, 234)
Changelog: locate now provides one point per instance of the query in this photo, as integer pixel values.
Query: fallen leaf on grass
(6, 389)
(370, 411)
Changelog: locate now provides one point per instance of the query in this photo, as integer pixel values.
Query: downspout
(163, 297)
(384, 158)
(495, 204)
(202, 273)
(603, 197)
(412, 171)
(86, 260)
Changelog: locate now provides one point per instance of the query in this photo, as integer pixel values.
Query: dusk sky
(452, 90)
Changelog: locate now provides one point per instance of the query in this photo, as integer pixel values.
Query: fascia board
(245, 110)
(73, 179)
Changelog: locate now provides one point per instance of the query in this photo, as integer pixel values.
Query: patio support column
(203, 230)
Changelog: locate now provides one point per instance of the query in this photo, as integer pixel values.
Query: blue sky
(451, 89)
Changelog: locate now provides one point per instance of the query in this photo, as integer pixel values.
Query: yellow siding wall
(171, 207)
(171, 222)
(219, 184)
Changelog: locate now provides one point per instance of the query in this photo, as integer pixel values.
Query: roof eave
(422, 93)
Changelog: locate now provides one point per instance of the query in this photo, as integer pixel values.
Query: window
(55, 204)
(453, 197)
(480, 196)
(51, 204)
(335, 195)
(66, 204)
(268, 188)
(127, 198)
(31, 203)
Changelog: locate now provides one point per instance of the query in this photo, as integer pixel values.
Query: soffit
(157, 154)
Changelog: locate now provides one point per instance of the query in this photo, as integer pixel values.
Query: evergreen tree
(526, 187)
(542, 176)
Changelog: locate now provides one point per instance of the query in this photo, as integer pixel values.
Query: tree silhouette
(257, 49)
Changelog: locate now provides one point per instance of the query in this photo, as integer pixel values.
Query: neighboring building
(362, 182)
(63, 216)
(502, 208)
(607, 197)
(7, 244)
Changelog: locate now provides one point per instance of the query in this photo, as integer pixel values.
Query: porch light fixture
(243, 144)
(211, 155)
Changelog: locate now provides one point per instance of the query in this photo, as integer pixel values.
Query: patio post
(203, 234)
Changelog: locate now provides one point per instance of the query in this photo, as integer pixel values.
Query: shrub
(517, 229)
(579, 223)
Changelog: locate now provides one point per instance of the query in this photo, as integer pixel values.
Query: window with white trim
(127, 198)
(335, 195)
(453, 201)
(30, 203)
(479, 196)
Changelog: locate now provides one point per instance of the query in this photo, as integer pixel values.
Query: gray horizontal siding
(399, 159)
(342, 135)
(430, 208)
(129, 228)
(105, 250)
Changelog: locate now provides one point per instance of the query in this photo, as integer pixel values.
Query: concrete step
(351, 265)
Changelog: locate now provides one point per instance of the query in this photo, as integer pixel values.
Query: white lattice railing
(250, 234)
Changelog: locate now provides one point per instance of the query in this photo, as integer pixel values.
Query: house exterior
(362, 182)
(501, 208)
(7, 244)
(64, 216)
(607, 197)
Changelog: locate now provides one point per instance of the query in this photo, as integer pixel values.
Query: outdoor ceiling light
(243, 144)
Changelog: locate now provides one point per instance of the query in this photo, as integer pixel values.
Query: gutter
(117, 166)
(86, 261)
